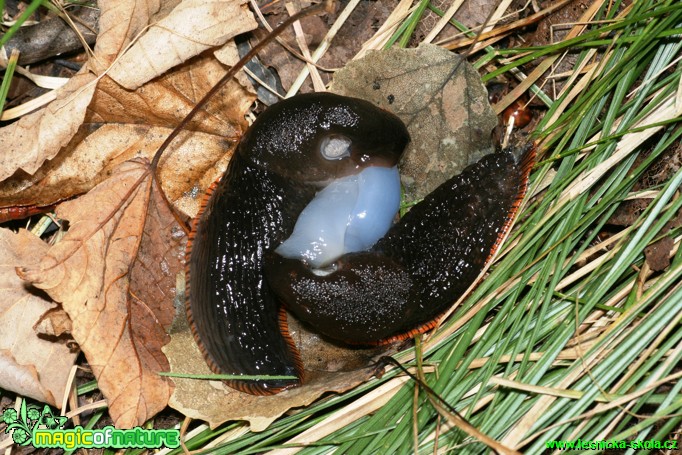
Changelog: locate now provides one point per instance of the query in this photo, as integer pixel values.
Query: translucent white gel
(350, 214)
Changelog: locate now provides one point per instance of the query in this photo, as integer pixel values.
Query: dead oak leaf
(114, 273)
(30, 365)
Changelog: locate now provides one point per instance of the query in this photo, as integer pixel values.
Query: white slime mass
(348, 215)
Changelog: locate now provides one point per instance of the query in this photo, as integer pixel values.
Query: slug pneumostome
(302, 220)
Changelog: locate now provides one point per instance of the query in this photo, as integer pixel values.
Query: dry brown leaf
(117, 124)
(29, 365)
(191, 28)
(167, 100)
(114, 273)
(440, 98)
(121, 125)
(38, 136)
(120, 22)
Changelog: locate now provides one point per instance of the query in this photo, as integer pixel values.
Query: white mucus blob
(348, 215)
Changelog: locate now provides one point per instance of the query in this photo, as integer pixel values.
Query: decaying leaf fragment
(441, 99)
(114, 273)
(30, 365)
(329, 368)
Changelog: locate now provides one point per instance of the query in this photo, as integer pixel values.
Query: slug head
(318, 137)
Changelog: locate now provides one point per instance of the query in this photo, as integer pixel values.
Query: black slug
(292, 150)
(299, 221)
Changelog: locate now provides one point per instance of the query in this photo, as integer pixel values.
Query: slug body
(293, 150)
(300, 219)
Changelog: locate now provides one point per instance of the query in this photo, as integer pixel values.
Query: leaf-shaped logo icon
(19, 423)
(51, 421)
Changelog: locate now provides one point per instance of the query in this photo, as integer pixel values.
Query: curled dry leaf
(114, 273)
(441, 99)
(418, 87)
(191, 28)
(33, 366)
(121, 125)
(38, 136)
(55, 322)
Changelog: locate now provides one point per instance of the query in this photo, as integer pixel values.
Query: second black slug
(299, 221)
